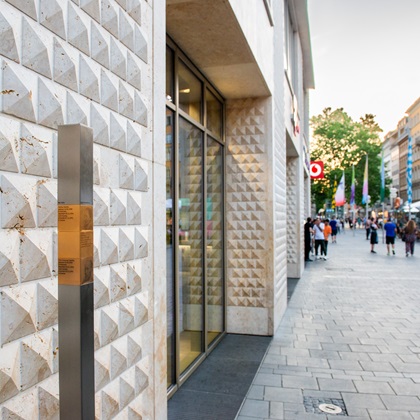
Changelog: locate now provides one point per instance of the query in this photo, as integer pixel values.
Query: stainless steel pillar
(75, 273)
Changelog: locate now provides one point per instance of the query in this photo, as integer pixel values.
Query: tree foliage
(340, 143)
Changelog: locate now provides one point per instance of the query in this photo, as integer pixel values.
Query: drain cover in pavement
(330, 408)
(318, 405)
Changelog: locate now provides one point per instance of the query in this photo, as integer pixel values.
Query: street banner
(365, 191)
(352, 189)
(382, 177)
(340, 198)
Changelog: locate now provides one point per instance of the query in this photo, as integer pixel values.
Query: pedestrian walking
(367, 227)
(373, 227)
(327, 233)
(334, 229)
(390, 233)
(319, 238)
(308, 232)
(410, 236)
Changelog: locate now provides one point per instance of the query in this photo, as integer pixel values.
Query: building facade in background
(199, 111)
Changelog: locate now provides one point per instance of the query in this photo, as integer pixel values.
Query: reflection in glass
(190, 244)
(169, 74)
(214, 114)
(170, 281)
(214, 235)
(190, 92)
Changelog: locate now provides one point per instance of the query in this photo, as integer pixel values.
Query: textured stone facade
(66, 62)
(249, 238)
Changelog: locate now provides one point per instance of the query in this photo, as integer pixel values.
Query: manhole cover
(330, 408)
(322, 405)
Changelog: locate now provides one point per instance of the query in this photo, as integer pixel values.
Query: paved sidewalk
(350, 336)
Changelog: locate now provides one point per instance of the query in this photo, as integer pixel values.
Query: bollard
(75, 273)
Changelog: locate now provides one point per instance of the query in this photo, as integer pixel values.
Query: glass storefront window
(194, 217)
(190, 254)
(190, 92)
(214, 114)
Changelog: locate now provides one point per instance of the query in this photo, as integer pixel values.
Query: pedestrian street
(349, 340)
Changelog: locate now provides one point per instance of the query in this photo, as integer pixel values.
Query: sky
(366, 57)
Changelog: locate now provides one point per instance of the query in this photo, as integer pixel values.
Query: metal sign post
(75, 273)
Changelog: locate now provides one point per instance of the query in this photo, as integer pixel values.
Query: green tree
(340, 142)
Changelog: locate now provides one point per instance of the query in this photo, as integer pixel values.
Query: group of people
(408, 234)
(317, 235)
(318, 232)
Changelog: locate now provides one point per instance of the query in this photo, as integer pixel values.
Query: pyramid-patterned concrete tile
(126, 171)
(102, 285)
(117, 285)
(36, 252)
(109, 17)
(109, 246)
(101, 202)
(134, 10)
(9, 371)
(91, 7)
(89, 78)
(77, 29)
(36, 145)
(133, 139)
(141, 242)
(19, 304)
(47, 204)
(9, 257)
(65, 63)
(118, 362)
(109, 405)
(26, 6)
(133, 71)
(127, 393)
(140, 176)
(35, 48)
(122, 3)
(142, 380)
(52, 17)
(9, 23)
(77, 109)
(126, 100)
(134, 351)
(141, 314)
(126, 244)
(35, 359)
(9, 144)
(108, 325)
(140, 43)
(48, 399)
(134, 208)
(18, 86)
(118, 63)
(140, 110)
(117, 132)
(126, 30)
(47, 304)
(99, 122)
(100, 40)
(126, 317)
(109, 90)
(18, 202)
(134, 282)
(102, 366)
(118, 211)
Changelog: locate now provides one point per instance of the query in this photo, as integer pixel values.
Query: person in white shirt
(319, 238)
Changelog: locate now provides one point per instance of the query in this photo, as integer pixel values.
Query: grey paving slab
(351, 331)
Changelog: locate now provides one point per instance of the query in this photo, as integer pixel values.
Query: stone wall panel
(69, 62)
